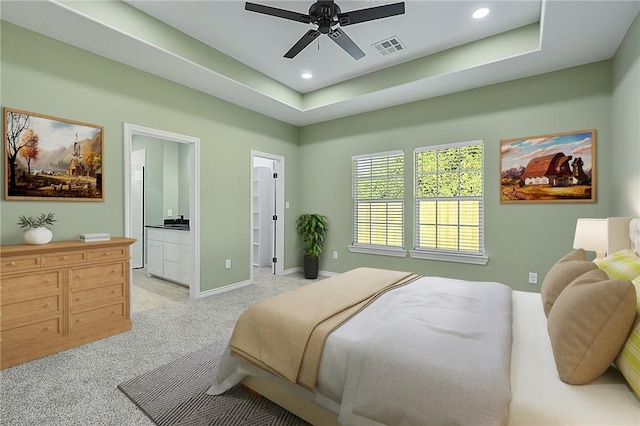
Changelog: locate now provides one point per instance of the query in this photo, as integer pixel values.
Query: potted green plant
(37, 231)
(311, 229)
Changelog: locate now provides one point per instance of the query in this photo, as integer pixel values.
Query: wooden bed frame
(291, 401)
(619, 239)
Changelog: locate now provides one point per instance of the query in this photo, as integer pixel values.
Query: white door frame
(278, 161)
(194, 191)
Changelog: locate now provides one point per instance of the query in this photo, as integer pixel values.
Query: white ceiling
(260, 41)
(570, 33)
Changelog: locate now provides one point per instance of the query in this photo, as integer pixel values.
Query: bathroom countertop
(170, 227)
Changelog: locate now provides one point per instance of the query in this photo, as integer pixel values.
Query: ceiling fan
(329, 19)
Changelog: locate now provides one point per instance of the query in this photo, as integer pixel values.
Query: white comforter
(436, 351)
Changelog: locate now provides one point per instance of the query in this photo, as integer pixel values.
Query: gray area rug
(174, 394)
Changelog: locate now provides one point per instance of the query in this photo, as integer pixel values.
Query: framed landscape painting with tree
(558, 167)
(49, 158)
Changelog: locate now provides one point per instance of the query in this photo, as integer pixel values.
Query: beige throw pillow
(589, 324)
(562, 274)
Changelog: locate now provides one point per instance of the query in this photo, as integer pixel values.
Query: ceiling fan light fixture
(328, 18)
(481, 13)
(306, 75)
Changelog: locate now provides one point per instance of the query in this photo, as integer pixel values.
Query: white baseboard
(224, 289)
(241, 284)
(320, 272)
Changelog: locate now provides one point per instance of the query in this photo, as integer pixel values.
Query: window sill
(459, 258)
(383, 251)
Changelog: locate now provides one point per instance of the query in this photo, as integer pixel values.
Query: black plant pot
(311, 267)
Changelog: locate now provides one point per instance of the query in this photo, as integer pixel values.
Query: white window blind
(378, 200)
(449, 191)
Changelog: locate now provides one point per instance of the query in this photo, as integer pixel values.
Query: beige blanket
(285, 334)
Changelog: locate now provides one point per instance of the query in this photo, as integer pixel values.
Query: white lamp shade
(592, 235)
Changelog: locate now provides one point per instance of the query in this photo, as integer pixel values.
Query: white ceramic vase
(41, 235)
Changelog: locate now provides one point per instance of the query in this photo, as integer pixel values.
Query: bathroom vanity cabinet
(169, 254)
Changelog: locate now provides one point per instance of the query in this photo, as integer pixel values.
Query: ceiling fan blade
(346, 43)
(370, 14)
(279, 13)
(302, 43)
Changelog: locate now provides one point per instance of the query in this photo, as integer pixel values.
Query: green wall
(519, 238)
(166, 177)
(170, 184)
(49, 77)
(183, 180)
(626, 125)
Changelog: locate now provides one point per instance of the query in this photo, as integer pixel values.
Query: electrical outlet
(533, 278)
(169, 213)
(335, 254)
(227, 264)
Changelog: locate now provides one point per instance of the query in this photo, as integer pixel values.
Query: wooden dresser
(60, 295)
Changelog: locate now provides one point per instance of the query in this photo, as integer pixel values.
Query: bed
(357, 385)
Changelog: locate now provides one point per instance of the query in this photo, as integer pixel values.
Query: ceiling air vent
(389, 45)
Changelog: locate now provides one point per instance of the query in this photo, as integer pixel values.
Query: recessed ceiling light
(481, 13)
(307, 75)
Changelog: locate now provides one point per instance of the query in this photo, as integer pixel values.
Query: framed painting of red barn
(50, 158)
(558, 167)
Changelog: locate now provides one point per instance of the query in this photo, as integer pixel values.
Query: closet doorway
(267, 212)
(192, 165)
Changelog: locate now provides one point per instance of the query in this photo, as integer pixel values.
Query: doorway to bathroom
(150, 208)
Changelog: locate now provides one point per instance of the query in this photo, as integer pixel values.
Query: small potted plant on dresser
(37, 231)
(311, 229)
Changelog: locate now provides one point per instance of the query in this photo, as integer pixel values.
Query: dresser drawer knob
(114, 312)
(47, 329)
(48, 305)
(12, 264)
(78, 298)
(106, 253)
(113, 271)
(64, 257)
(48, 280)
(78, 276)
(113, 291)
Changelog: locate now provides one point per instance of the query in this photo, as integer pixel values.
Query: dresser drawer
(22, 313)
(95, 297)
(96, 317)
(64, 258)
(107, 253)
(31, 333)
(27, 287)
(94, 276)
(19, 263)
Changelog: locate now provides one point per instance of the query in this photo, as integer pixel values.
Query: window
(449, 182)
(378, 203)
